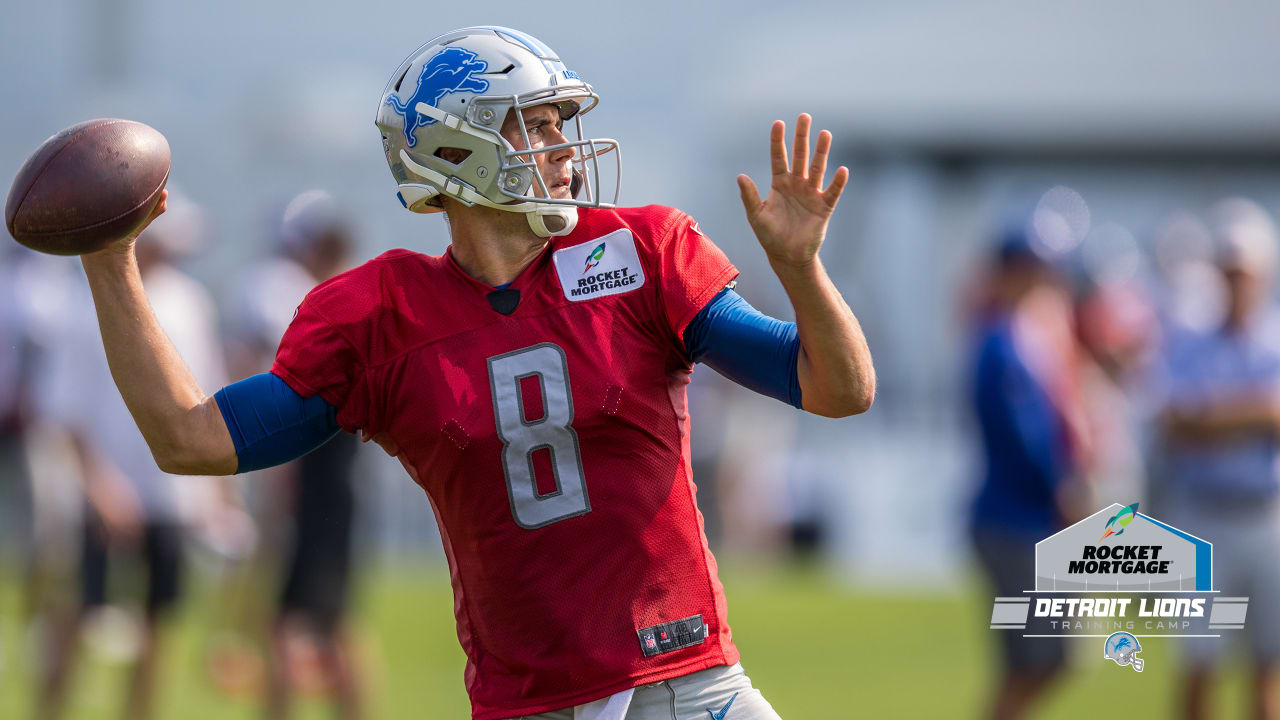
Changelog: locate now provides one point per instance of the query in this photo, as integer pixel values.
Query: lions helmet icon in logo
(448, 71)
(1123, 648)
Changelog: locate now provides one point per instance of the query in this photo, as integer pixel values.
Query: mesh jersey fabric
(548, 616)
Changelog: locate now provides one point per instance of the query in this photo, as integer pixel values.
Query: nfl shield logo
(649, 642)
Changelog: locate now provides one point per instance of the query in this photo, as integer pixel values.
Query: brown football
(87, 186)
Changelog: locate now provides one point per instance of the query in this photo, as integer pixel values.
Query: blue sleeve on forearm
(746, 346)
(271, 424)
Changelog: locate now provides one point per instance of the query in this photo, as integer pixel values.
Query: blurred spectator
(133, 510)
(1027, 406)
(14, 376)
(1118, 332)
(43, 291)
(808, 519)
(753, 473)
(1190, 292)
(1222, 427)
(310, 647)
(12, 340)
(14, 507)
(1189, 296)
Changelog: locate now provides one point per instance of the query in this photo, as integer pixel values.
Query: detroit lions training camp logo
(448, 71)
(1122, 575)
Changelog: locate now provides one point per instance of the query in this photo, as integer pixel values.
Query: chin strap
(556, 220)
(552, 220)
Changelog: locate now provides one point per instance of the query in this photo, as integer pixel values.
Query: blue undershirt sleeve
(271, 424)
(745, 345)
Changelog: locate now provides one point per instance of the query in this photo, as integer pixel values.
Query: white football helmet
(455, 92)
(1123, 648)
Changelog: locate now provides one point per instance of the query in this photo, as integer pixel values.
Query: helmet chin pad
(552, 220)
(556, 220)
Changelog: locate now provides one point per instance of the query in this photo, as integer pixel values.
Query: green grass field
(815, 649)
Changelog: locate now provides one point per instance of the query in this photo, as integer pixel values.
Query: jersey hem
(569, 701)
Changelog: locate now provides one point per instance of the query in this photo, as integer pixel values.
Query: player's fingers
(161, 206)
(778, 148)
(750, 195)
(819, 166)
(831, 195)
(800, 151)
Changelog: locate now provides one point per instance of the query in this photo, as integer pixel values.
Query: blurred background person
(1026, 401)
(315, 496)
(15, 506)
(133, 512)
(13, 372)
(1118, 334)
(45, 516)
(1222, 425)
(1187, 286)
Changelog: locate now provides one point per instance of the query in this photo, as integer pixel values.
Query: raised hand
(792, 221)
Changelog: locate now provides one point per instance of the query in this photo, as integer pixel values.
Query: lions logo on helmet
(451, 70)
(1123, 648)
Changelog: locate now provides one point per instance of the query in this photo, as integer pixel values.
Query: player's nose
(556, 138)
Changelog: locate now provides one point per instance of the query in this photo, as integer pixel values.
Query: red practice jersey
(550, 431)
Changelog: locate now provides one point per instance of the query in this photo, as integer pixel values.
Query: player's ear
(447, 204)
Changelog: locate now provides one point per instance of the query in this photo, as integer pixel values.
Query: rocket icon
(1117, 523)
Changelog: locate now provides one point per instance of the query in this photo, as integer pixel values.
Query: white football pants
(721, 693)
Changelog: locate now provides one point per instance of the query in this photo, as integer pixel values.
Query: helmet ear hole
(453, 155)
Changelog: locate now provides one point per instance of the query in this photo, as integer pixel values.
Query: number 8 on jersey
(553, 431)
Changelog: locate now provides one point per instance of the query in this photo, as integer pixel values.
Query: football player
(532, 381)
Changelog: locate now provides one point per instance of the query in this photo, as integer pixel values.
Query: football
(87, 186)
